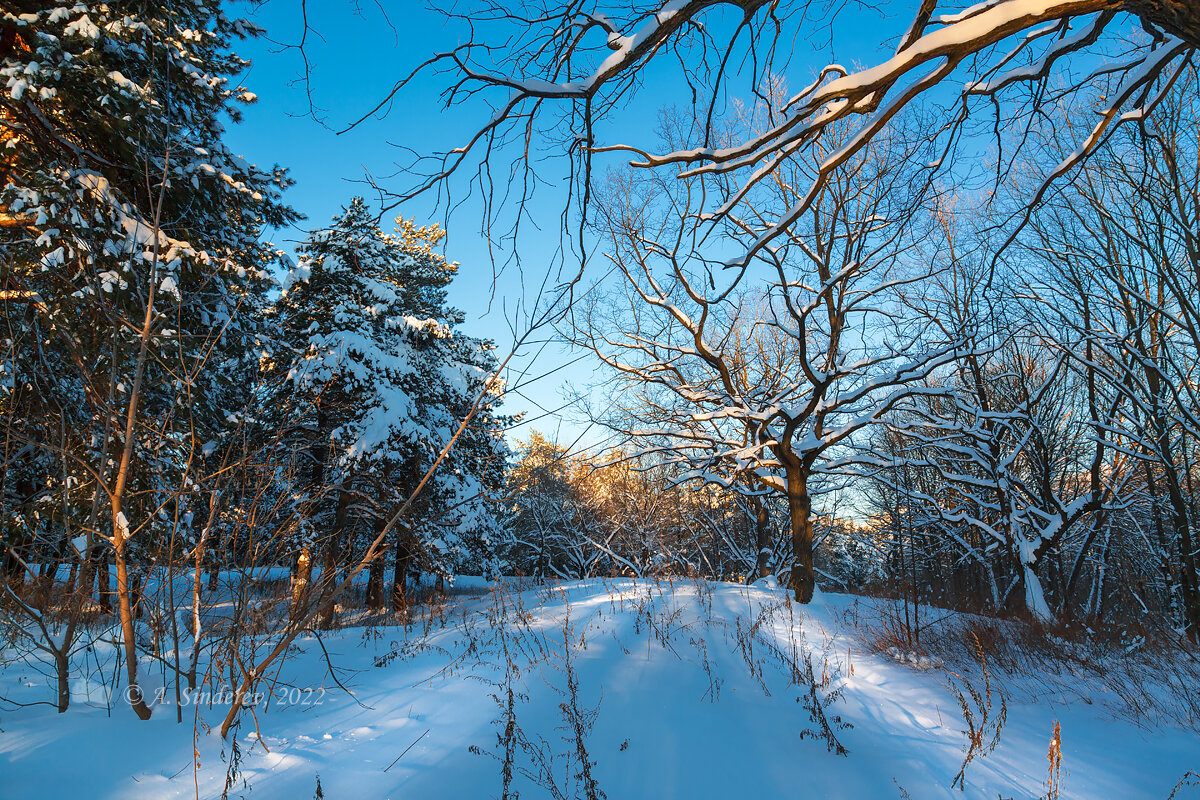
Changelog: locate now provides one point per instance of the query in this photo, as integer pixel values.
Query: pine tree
(133, 267)
(381, 379)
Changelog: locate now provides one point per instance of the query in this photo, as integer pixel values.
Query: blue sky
(356, 52)
(356, 55)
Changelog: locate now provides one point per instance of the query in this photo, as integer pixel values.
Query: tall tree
(1116, 271)
(375, 367)
(766, 384)
(133, 259)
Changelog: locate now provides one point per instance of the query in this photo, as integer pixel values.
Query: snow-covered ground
(684, 690)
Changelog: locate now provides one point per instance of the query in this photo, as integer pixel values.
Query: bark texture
(800, 510)
(762, 531)
(1177, 17)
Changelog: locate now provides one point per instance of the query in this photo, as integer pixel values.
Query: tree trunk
(133, 692)
(375, 572)
(91, 550)
(103, 588)
(301, 575)
(197, 575)
(1101, 574)
(404, 557)
(329, 568)
(302, 568)
(234, 548)
(213, 556)
(62, 668)
(762, 537)
(51, 565)
(1177, 511)
(375, 585)
(1188, 579)
(1177, 17)
(1033, 592)
(14, 573)
(803, 578)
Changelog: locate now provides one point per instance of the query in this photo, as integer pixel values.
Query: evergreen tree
(133, 267)
(382, 379)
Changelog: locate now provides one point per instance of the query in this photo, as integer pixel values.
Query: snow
(690, 683)
(83, 28)
(169, 286)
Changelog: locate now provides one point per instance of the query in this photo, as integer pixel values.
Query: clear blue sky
(356, 52)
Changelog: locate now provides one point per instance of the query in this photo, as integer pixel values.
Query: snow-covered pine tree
(132, 268)
(381, 379)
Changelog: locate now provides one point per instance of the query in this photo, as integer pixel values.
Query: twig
(410, 747)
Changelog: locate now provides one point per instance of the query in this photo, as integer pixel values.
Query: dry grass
(1150, 680)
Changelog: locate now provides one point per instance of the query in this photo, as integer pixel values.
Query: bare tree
(766, 384)
(1117, 260)
(553, 74)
